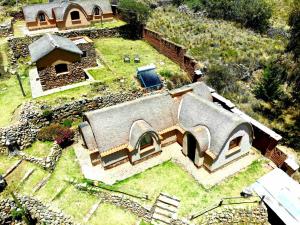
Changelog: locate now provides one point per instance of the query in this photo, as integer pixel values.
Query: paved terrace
(171, 152)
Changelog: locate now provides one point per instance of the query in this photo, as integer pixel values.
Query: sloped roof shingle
(48, 43)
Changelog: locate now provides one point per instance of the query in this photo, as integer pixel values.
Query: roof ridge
(52, 41)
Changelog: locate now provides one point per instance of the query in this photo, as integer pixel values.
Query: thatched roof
(48, 43)
(111, 126)
(196, 110)
(211, 124)
(57, 9)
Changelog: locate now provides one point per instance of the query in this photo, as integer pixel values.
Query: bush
(48, 114)
(67, 123)
(56, 132)
(64, 137)
(254, 14)
(294, 23)
(166, 73)
(221, 78)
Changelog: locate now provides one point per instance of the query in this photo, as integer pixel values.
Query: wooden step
(170, 208)
(169, 196)
(163, 212)
(168, 201)
(161, 218)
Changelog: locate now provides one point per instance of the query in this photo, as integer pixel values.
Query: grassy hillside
(281, 9)
(215, 41)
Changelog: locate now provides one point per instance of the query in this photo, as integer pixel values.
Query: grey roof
(138, 129)
(48, 43)
(112, 125)
(57, 9)
(202, 135)
(282, 195)
(212, 125)
(196, 110)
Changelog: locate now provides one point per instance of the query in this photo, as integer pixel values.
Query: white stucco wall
(244, 130)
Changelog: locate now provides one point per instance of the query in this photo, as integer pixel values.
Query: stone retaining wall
(48, 162)
(6, 28)
(23, 134)
(19, 46)
(256, 214)
(42, 213)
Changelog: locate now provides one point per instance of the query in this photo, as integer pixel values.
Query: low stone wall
(237, 215)
(47, 163)
(42, 213)
(23, 134)
(174, 51)
(6, 28)
(19, 46)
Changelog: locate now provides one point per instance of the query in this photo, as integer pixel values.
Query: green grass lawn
(109, 24)
(170, 178)
(39, 149)
(112, 52)
(11, 97)
(167, 177)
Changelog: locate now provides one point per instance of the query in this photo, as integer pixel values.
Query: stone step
(163, 212)
(161, 218)
(164, 206)
(169, 201)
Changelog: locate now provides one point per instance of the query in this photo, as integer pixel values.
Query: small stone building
(61, 61)
(133, 131)
(64, 14)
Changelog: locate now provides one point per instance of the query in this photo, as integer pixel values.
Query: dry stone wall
(42, 213)
(19, 46)
(6, 28)
(23, 134)
(256, 214)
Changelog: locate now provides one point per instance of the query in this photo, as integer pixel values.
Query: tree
(294, 22)
(254, 14)
(268, 89)
(136, 14)
(134, 11)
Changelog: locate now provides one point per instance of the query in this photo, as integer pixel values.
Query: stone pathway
(36, 87)
(172, 152)
(165, 209)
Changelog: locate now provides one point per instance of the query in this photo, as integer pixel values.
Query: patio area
(171, 152)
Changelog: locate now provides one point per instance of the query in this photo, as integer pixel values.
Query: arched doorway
(191, 147)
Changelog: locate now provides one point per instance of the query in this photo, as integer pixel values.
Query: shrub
(67, 123)
(64, 137)
(294, 23)
(166, 73)
(48, 114)
(254, 14)
(221, 78)
(56, 132)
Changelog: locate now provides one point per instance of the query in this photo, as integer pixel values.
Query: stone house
(210, 135)
(61, 61)
(67, 14)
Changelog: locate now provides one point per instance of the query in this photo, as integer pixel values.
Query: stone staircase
(165, 209)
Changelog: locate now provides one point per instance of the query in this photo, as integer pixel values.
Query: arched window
(61, 68)
(146, 141)
(97, 11)
(235, 143)
(42, 17)
(75, 15)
